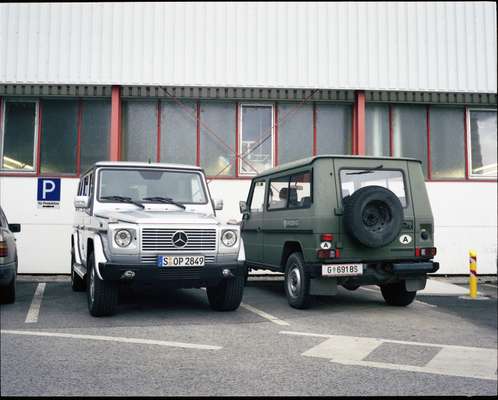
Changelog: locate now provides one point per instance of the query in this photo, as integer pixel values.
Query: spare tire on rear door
(373, 216)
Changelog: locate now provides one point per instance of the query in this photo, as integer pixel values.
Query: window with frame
(295, 131)
(300, 188)
(483, 143)
(256, 138)
(59, 136)
(333, 128)
(377, 129)
(409, 123)
(18, 150)
(140, 130)
(258, 197)
(447, 142)
(278, 193)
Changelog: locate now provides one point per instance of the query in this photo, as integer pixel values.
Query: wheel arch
(290, 246)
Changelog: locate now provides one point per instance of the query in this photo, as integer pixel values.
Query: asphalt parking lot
(172, 343)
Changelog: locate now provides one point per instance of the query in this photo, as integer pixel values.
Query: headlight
(229, 238)
(122, 238)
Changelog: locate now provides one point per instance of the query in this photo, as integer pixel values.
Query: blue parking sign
(49, 189)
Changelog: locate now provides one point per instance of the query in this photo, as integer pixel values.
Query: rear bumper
(7, 273)
(378, 273)
(180, 277)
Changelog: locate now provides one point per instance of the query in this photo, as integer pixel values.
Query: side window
(300, 190)
(85, 186)
(278, 193)
(258, 197)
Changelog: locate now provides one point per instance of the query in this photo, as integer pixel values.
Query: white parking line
(462, 361)
(416, 301)
(267, 316)
(114, 339)
(34, 309)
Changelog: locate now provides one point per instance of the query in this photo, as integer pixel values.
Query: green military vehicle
(332, 220)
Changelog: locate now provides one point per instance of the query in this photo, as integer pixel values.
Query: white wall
(415, 46)
(465, 218)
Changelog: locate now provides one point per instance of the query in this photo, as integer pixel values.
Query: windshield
(137, 184)
(354, 179)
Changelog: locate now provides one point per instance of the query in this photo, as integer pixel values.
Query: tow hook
(227, 273)
(128, 275)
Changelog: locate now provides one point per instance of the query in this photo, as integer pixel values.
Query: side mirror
(243, 207)
(81, 202)
(218, 204)
(15, 228)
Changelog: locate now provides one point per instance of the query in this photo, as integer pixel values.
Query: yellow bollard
(473, 274)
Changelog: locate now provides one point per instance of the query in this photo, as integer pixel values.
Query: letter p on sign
(49, 189)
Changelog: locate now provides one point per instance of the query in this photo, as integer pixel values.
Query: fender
(76, 247)
(98, 253)
(242, 252)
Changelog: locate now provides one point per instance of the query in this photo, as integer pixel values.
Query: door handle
(258, 229)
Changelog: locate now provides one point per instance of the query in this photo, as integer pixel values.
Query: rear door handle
(258, 229)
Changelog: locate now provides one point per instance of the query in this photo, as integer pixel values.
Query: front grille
(152, 259)
(160, 240)
(180, 273)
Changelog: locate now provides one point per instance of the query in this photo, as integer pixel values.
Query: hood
(159, 217)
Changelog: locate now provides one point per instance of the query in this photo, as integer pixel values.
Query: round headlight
(122, 238)
(229, 238)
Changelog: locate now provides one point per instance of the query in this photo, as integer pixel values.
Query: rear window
(354, 179)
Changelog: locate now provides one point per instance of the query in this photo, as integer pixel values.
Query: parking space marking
(34, 309)
(461, 361)
(113, 339)
(416, 301)
(265, 315)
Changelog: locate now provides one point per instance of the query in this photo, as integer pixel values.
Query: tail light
(425, 252)
(327, 237)
(4, 251)
(324, 254)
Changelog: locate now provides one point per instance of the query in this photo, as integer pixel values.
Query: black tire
(297, 282)
(102, 296)
(78, 284)
(227, 296)
(395, 294)
(373, 216)
(8, 293)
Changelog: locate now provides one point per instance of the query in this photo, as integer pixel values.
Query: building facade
(241, 87)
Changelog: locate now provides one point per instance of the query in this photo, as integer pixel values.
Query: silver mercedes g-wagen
(153, 224)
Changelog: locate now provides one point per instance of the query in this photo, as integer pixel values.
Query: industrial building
(241, 87)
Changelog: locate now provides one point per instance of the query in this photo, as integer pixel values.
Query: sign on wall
(49, 192)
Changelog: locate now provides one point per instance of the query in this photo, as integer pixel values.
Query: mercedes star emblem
(180, 239)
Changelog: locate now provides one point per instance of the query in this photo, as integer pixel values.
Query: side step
(80, 270)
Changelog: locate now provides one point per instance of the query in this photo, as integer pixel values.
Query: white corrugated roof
(415, 46)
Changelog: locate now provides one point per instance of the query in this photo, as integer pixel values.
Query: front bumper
(179, 277)
(7, 273)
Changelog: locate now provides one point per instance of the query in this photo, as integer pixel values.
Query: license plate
(342, 269)
(180, 261)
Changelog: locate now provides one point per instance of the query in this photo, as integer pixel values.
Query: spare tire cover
(373, 216)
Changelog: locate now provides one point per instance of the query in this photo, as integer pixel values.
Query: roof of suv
(128, 164)
(309, 160)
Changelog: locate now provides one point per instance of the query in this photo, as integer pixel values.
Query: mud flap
(323, 286)
(414, 284)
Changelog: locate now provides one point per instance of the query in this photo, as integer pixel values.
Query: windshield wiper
(366, 171)
(123, 199)
(165, 200)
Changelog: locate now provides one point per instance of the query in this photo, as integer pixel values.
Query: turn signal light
(327, 237)
(4, 251)
(323, 254)
(425, 252)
